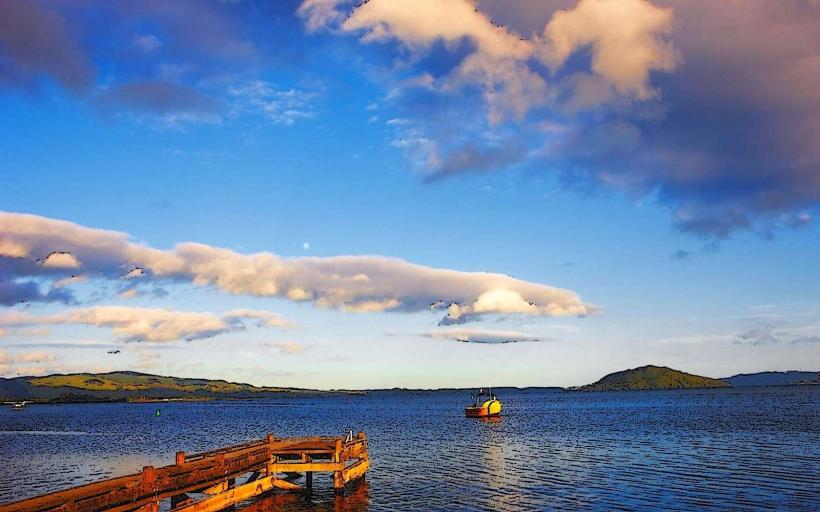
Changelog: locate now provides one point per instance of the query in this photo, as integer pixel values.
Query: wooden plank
(209, 471)
(133, 489)
(355, 471)
(301, 467)
(239, 493)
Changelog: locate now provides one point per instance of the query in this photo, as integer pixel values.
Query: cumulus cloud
(502, 63)
(624, 37)
(351, 283)
(149, 324)
(61, 260)
(497, 66)
(447, 20)
(711, 108)
(481, 336)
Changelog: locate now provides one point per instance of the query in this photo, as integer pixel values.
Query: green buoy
(157, 414)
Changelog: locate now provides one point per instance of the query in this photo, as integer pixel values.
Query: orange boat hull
(487, 409)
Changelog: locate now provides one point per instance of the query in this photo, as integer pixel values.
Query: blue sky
(646, 211)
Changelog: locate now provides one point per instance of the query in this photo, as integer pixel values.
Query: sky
(333, 194)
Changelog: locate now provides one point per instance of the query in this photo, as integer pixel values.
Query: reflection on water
(742, 449)
(356, 499)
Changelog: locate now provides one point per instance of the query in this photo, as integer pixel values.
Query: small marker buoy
(157, 414)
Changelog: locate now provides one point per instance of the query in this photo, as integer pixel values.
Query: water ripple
(738, 449)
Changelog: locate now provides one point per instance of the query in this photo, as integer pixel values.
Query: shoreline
(321, 394)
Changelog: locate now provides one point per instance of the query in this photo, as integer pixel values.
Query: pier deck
(258, 465)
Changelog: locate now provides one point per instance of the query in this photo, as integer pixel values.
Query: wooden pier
(223, 477)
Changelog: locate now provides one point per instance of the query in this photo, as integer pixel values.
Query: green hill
(652, 377)
(124, 386)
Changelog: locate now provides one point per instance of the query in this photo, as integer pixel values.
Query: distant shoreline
(133, 387)
(320, 394)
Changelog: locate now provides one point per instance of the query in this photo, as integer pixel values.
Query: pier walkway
(221, 477)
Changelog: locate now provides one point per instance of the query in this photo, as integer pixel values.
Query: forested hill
(122, 386)
(652, 377)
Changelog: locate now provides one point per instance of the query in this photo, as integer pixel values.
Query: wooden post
(338, 481)
(180, 458)
(147, 479)
(269, 465)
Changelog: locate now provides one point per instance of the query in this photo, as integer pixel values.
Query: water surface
(738, 449)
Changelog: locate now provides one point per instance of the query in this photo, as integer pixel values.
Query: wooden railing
(213, 473)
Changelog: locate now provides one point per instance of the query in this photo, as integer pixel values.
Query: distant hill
(125, 386)
(791, 378)
(652, 377)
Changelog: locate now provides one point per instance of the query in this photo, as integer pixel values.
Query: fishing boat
(17, 406)
(486, 405)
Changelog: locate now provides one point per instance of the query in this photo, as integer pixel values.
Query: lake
(738, 449)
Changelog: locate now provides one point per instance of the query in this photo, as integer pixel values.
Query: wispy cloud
(278, 106)
(150, 324)
(773, 335)
(482, 336)
(286, 347)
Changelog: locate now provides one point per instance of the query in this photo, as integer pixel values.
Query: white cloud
(351, 283)
(61, 260)
(481, 336)
(446, 20)
(624, 37)
(499, 301)
(149, 324)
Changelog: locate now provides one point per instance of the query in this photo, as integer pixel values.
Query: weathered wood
(213, 472)
(355, 471)
(239, 493)
(299, 467)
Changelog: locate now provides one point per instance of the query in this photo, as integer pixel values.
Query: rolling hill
(124, 386)
(652, 377)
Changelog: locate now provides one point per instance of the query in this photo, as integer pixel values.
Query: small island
(652, 377)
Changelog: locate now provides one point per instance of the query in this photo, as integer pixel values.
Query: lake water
(725, 449)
